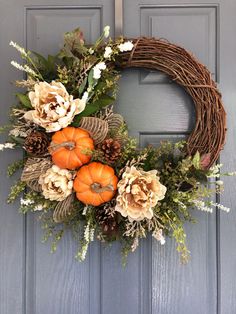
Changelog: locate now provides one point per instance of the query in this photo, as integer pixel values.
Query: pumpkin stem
(69, 145)
(98, 188)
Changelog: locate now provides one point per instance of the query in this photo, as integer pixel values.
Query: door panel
(33, 281)
(73, 287)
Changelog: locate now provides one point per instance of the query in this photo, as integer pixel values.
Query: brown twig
(208, 135)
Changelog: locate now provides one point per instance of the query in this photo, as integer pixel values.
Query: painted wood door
(32, 281)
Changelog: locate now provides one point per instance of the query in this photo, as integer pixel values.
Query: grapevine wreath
(81, 170)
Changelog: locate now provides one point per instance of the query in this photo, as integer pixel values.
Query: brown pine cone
(111, 149)
(36, 143)
(107, 222)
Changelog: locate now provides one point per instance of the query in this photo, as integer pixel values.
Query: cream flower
(126, 46)
(98, 69)
(107, 53)
(54, 107)
(106, 31)
(56, 183)
(138, 192)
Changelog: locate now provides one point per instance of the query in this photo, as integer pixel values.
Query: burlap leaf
(63, 209)
(34, 167)
(34, 185)
(96, 127)
(115, 121)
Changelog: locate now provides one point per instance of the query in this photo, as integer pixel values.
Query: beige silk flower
(138, 192)
(56, 183)
(54, 108)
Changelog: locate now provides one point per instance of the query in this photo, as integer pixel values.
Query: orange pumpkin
(95, 184)
(67, 147)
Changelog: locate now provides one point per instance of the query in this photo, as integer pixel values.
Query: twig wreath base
(81, 169)
(208, 136)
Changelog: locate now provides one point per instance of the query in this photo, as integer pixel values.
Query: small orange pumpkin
(95, 184)
(67, 147)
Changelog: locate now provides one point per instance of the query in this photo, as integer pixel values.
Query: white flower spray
(24, 68)
(7, 146)
(19, 48)
(126, 46)
(98, 68)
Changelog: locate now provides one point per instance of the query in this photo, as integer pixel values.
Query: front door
(33, 281)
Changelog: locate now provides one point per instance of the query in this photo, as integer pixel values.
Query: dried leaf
(34, 167)
(97, 128)
(63, 210)
(34, 185)
(115, 121)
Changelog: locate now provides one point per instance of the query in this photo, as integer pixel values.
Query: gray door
(32, 281)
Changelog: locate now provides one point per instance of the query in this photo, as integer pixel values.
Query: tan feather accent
(63, 210)
(115, 121)
(34, 167)
(96, 127)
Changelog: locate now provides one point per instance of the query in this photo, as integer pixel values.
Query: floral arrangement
(81, 170)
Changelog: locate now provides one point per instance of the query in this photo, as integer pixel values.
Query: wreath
(81, 170)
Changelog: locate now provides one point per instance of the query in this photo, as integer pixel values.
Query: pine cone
(111, 149)
(107, 222)
(36, 143)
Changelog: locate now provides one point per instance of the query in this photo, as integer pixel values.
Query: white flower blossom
(98, 69)
(87, 232)
(26, 202)
(106, 31)
(215, 171)
(101, 66)
(7, 146)
(85, 97)
(38, 207)
(126, 46)
(233, 173)
(17, 132)
(220, 206)
(92, 231)
(91, 51)
(24, 68)
(96, 73)
(200, 205)
(158, 235)
(18, 48)
(85, 210)
(84, 251)
(135, 244)
(107, 53)
(17, 65)
(29, 70)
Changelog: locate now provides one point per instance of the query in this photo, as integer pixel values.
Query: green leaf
(82, 86)
(51, 62)
(201, 176)
(90, 109)
(91, 80)
(104, 101)
(40, 59)
(196, 160)
(24, 100)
